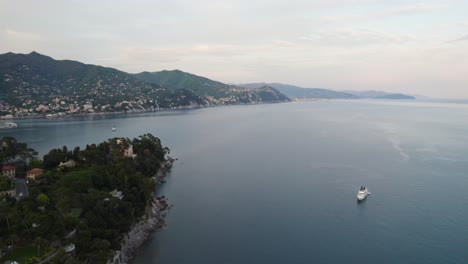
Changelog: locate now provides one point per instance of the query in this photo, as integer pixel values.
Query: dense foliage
(74, 204)
(204, 87)
(181, 80)
(34, 83)
(302, 93)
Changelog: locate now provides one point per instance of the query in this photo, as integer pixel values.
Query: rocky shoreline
(152, 221)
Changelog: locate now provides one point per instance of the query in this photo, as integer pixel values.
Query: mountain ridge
(216, 92)
(297, 92)
(38, 85)
(373, 94)
(321, 93)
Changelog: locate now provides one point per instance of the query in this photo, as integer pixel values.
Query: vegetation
(33, 84)
(215, 92)
(396, 97)
(75, 203)
(303, 93)
(182, 80)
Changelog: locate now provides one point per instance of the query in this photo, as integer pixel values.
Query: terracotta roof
(7, 168)
(35, 170)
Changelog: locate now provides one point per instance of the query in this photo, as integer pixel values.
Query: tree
(13, 149)
(78, 198)
(42, 199)
(53, 158)
(38, 241)
(166, 150)
(35, 163)
(101, 249)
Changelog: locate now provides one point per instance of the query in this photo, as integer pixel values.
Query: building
(87, 107)
(9, 171)
(117, 194)
(31, 174)
(128, 152)
(68, 164)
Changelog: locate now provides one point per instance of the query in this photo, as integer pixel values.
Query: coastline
(104, 114)
(98, 114)
(153, 221)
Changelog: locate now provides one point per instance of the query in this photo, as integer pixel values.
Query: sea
(277, 183)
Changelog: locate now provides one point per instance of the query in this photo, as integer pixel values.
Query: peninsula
(90, 205)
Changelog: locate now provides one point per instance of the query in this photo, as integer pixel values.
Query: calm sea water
(277, 183)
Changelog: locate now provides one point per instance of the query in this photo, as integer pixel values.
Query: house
(87, 107)
(9, 171)
(68, 164)
(31, 174)
(128, 152)
(117, 194)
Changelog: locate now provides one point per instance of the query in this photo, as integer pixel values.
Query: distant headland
(35, 85)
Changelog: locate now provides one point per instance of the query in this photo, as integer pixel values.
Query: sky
(413, 47)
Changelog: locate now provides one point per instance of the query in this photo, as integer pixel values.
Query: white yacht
(8, 125)
(114, 129)
(362, 193)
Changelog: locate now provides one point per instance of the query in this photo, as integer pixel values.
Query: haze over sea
(277, 183)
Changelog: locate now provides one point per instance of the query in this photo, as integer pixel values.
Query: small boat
(114, 129)
(8, 125)
(362, 193)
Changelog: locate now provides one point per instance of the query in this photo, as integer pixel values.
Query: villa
(9, 171)
(31, 174)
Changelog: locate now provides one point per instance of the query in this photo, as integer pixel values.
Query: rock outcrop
(151, 222)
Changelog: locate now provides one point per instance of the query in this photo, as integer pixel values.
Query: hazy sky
(417, 47)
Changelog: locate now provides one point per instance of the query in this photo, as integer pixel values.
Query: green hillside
(303, 93)
(182, 80)
(215, 92)
(33, 84)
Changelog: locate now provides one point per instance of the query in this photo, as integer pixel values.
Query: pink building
(9, 171)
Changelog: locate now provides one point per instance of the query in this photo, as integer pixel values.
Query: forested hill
(177, 79)
(215, 92)
(303, 93)
(36, 84)
(89, 198)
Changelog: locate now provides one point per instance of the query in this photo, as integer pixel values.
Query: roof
(7, 168)
(35, 170)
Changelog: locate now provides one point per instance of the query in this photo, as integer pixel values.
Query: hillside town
(65, 105)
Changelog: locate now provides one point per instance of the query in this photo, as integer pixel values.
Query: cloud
(201, 51)
(463, 24)
(175, 54)
(21, 35)
(216, 50)
(465, 37)
(403, 10)
(382, 14)
(283, 43)
(356, 37)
